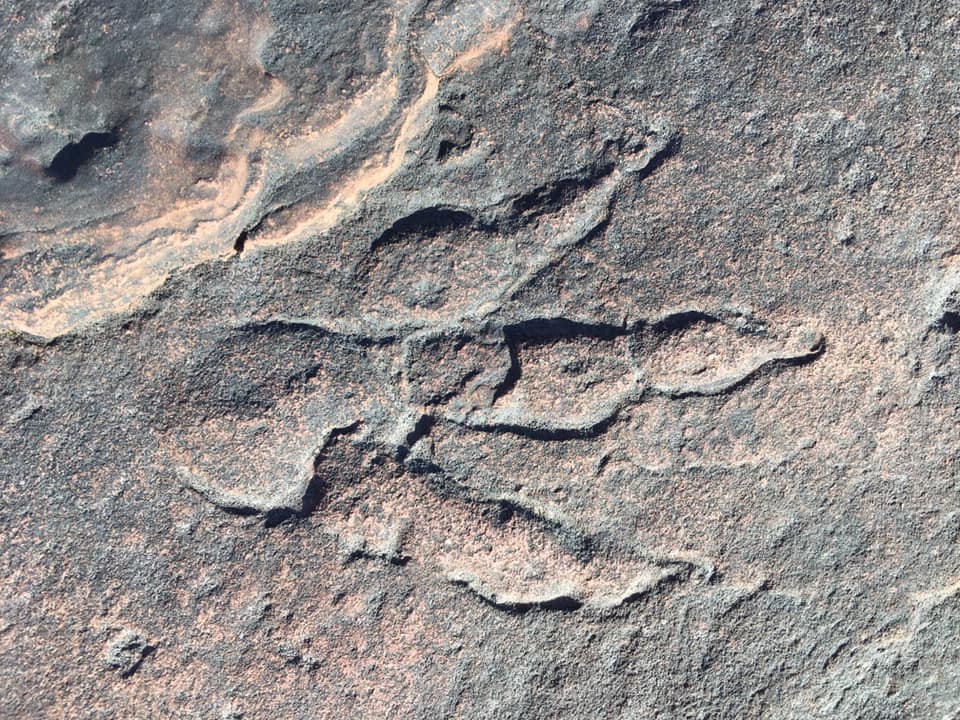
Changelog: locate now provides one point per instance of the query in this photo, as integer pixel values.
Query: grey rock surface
(479, 359)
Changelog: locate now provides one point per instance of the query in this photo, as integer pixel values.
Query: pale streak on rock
(198, 232)
(356, 187)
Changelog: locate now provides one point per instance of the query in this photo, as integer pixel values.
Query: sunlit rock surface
(479, 359)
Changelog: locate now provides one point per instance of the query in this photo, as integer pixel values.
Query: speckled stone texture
(479, 359)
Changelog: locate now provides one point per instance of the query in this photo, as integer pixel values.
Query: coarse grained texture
(479, 359)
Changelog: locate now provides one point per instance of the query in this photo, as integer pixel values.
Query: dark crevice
(364, 554)
(275, 517)
(551, 196)
(512, 376)
(507, 509)
(285, 327)
(683, 320)
(446, 147)
(504, 514)
(241, 511)
(553, 434)
(949, 322)
(437, 479)
(562, 603)
(316, 488)
(73, 156)
(815, 351)
(440, 398)
(427, 222)
(603, 463)
(576, 543)
(682, 393)
(541, 330)
(559, 328)
(251, 230)
(240, 242)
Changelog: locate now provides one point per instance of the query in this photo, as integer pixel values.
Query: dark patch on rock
(68, 161)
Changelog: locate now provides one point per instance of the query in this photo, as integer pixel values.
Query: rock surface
(479, 359)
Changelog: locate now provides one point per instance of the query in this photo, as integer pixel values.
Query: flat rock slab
(479, 359)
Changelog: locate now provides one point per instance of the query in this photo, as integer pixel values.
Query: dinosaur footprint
(249, 412)
(571, 379)
(692, 352)
(511, 553)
